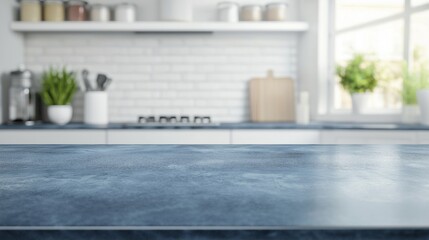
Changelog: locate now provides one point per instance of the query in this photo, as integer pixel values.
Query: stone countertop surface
(223, 186)
(225, 126)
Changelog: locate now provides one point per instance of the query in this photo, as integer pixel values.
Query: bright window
(419, 2)
(390, 32)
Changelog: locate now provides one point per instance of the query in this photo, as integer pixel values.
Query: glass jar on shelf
(30, 11)
(100, 13)
(53, 11)
(76, 10)
(125, 12)
(251, 13)
(276, 11)
(228, 12)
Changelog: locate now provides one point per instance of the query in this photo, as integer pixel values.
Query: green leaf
(414, 80)
(358, 76)
(58, 87)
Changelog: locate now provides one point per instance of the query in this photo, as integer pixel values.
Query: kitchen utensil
(31, 11)
(107, 84)
(80, 83)
(96, 108)
(251, 13)
(272, 99)
(100, 13)
(76, 10)
(228, 12)
(125, 12)
(101, 81)
(85, 74)
(276, 11)
(175, 10)
(22, 97)
(53, 11)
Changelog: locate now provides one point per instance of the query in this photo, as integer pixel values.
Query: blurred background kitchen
(183, 71)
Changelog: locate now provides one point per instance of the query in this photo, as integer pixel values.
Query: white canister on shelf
(96, 108)
(251, 13)
(125, 12)
(54, 11)
(175, 10)
(228, 12)
(31, 11)
(100, 13)
(303, 108)
(276, 12)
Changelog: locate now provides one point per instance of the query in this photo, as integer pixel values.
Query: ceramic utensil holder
(96, 108)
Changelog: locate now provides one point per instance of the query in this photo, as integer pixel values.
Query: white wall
(313, 54)
(172, 73)
(11, 49)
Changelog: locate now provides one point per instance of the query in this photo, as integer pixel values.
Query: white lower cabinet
(423, 138)
(168, 136)
(52, 137)
(215, 136)
(369, 137)
(275, 136)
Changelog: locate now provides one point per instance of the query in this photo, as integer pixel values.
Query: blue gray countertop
(223, 187)
(223, 126)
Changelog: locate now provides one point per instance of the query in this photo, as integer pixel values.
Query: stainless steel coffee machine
(22, 97)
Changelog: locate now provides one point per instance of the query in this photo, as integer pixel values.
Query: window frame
(346, 115)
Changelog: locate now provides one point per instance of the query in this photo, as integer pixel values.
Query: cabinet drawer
(52, 137)
(368, 137)
(423, 137)
(275, 136)
(168, 136)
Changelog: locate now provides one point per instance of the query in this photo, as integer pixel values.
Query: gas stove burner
(182, 120)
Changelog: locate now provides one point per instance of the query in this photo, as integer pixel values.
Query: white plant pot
(360, 102)
(423, 99)
(60, 114)
(410, 114)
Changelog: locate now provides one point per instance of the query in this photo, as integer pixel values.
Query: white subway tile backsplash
(58, 51)
(143, 42)
(169, 74)
(182, 68)
(29, 51)
(194, 77)
(167, 77)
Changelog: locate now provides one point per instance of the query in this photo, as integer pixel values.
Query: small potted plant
(413, 81)
(58, 90)
(358, 77)
(421, 76)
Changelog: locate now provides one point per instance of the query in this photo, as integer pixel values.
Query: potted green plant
(358, 77)
(420, 75)
(58, 89)
(413, 81)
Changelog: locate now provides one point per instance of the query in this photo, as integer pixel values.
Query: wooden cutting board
(272, 99)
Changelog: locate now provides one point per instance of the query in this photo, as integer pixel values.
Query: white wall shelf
(160, 27)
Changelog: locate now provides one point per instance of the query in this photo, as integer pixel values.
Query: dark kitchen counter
(306, 191)
(223, 126)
